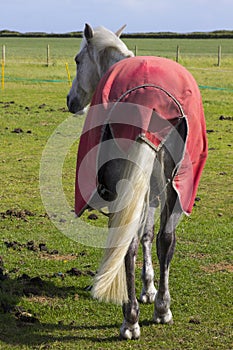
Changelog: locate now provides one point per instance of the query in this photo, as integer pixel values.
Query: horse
(155, 104)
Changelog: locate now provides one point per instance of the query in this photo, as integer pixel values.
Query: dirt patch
(219, 267)
(25, 317)
(76, 272)
(92, 217)
(199, 256)
(63, 109)
(31, 245)
(194, 320)
(18, 246)
(18, 214)
(7, 104)
(42, 299)
(224, 117)
(57, 257)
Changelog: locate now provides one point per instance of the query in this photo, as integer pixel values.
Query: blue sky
(61, 16)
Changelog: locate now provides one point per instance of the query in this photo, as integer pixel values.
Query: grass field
(45, 277)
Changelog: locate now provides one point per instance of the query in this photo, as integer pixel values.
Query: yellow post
(3, 74)
(68, 74)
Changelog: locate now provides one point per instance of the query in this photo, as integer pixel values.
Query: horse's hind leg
(148, 291)
(170, 215)
(130, 328)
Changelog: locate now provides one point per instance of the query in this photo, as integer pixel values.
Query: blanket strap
(152, 86)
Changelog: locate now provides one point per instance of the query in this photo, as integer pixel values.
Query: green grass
(65, 315)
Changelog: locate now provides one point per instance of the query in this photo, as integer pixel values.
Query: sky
(62, 16)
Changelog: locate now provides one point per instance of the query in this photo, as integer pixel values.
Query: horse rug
(144, 98)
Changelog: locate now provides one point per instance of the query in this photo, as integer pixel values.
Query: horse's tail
(124, 224)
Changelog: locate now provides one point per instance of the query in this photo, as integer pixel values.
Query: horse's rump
(146, 98)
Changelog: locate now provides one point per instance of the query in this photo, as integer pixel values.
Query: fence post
(3, 75)
(219, 55)
(48, 55)
(4, 54)
(68, 74)
(177, 53)
(135, 50)
(3, 66)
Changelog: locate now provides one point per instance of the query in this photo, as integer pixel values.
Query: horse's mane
(104, 38)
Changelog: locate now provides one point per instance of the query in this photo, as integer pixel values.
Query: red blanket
(144, 97)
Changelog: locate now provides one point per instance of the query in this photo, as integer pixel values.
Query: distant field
(44, 304)
(26, 58)
(34, 49)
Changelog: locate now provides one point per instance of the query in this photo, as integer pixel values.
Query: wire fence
(23, 59)
(52, 52)
(48, 57)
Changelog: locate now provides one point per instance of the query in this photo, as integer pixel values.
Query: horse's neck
(109, 57)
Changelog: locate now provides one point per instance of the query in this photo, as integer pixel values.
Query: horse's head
(100, 49)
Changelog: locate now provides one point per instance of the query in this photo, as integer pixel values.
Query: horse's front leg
(165, 249)
(148, 291)
(130, 328)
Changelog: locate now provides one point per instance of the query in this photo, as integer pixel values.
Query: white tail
(124, 224)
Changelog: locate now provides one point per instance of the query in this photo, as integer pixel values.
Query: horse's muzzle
(70, 105)
(74, 107)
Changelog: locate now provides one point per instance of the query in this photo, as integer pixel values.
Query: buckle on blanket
(106, 194)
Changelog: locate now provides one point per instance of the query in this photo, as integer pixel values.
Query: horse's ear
(88, 32)
(119, 31)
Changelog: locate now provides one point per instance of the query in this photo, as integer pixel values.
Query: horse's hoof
(128, 332)
(163, 319)
(147, 298)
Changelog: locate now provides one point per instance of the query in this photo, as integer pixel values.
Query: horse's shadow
(22, 327)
